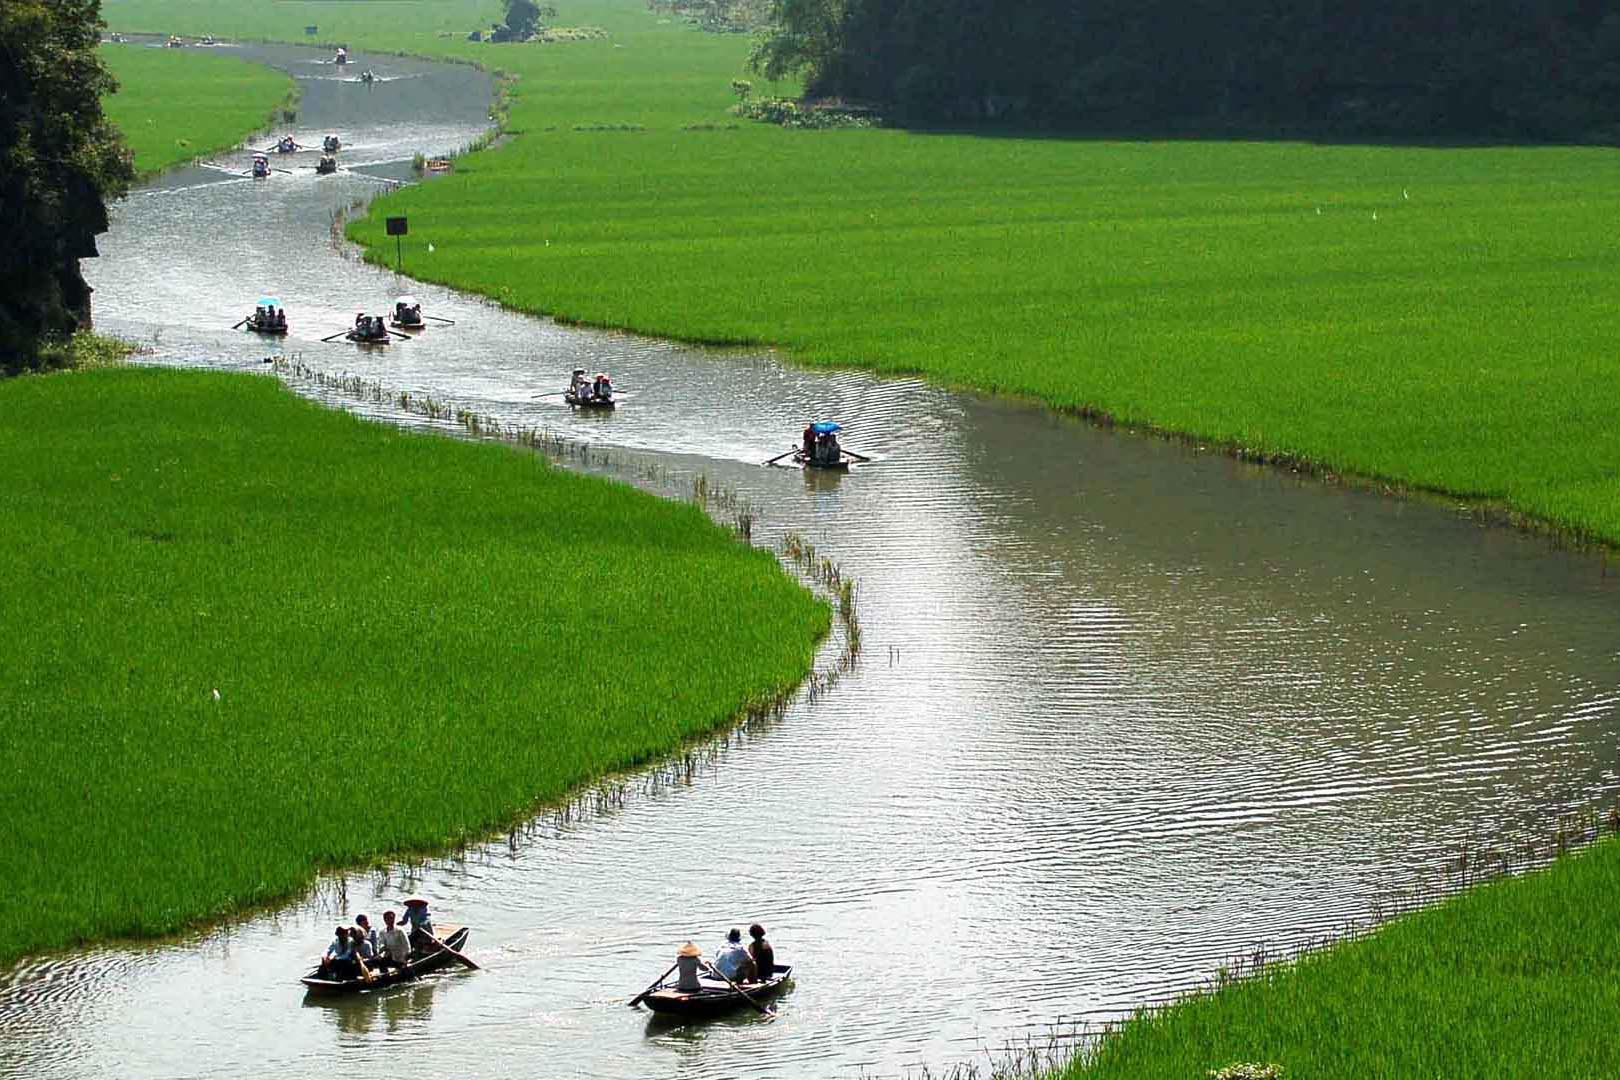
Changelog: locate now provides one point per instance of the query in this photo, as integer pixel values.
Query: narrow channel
(1125, 709)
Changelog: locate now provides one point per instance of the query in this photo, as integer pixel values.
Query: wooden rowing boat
(802, 459)
(716, 998)
(420, 964)
(587, 403)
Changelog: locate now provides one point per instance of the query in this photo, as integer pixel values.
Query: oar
(451, 951)
(853, 454)
(637, 999)
(334, 337)
(239, 325)
(435, 318)
(397, 334)
(779, 457)
(762, 1009)
(365, 972)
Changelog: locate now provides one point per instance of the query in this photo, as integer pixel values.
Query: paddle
(762, 1009)
(637, 999)
(334, 337)
(435, 318)
(853, 454)
(470, 965)
(779, 457)
(239, 325)
(365, 972)
(397, 334)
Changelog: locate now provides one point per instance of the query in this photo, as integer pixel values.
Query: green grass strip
(412, 638)
(1520, 977)
(1441, 318)
(174, 105)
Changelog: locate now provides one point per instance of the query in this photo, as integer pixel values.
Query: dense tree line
(60, 160)
(1477, 68)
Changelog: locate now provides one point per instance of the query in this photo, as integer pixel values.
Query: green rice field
(246, 637)
(1520, 977)
(1442, 318)
(174, 105)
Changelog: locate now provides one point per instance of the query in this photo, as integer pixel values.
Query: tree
(60, 161)
(522, 16)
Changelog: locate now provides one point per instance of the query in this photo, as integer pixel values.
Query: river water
(1125, 708)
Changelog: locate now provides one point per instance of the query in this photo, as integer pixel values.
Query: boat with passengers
(587, 393)
(422, 962)
(715, 996)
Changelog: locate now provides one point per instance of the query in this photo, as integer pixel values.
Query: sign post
(397, 228)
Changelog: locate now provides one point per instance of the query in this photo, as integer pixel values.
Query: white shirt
(731, 959)
(396, 945)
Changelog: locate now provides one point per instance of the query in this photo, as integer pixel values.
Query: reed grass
(174, 105)
(246, 638)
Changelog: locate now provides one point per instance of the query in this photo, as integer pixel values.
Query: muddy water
(1125, 709)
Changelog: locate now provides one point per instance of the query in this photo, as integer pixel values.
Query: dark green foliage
(522, 19)
(1542, 69)
(60, 160)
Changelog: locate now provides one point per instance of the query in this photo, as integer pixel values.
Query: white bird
(430, 248)
(1405, 194)
(1375, 215)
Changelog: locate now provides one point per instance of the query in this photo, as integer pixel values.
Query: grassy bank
(177, 104)
(1514, 978)
(1443, 318)
(245, 637)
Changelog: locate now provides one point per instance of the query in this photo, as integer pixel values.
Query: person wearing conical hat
(688, 962)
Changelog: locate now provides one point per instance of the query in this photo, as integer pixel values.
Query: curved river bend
(1125, 709)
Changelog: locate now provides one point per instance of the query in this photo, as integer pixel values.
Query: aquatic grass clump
(246, 637)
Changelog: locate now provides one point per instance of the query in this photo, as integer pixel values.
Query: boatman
(420, 922)
(688, 962)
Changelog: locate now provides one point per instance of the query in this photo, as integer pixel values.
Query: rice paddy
(1440, 318)
(220, 679)
(174, 105)
(1507, 979)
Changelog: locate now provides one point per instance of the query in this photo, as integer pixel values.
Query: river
(1125, 708)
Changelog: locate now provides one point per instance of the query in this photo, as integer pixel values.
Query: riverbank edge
(758, 707)
(290, 100)
(1438, 920)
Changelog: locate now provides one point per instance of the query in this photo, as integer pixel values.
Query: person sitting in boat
(419, 920)
(733, 961)
(363, 932)
(831, 448)
(393, 947)
(760, 951)
(281, 318)
(809, 441)
(688, 964)
(603, 386)
(339, 958)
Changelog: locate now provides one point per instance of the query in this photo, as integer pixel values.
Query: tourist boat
(367, 76)
(342, 56)
(408, 314)
(174, 43)
(265, 320)
(287, 145)
(369, 330)
(716, 998)
(820, 450)
(327, 165)
(583, 393)
(261, 167)
(420, 964)
(331, 144)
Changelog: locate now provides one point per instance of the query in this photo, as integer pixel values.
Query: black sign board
(312, 30)
(396, 226)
